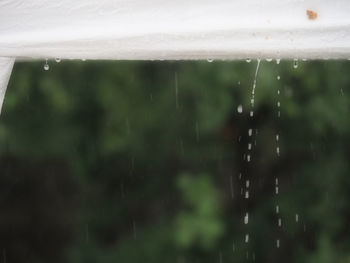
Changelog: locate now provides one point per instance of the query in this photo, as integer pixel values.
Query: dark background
(141, 162)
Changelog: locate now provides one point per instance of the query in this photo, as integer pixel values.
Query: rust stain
(312, 15)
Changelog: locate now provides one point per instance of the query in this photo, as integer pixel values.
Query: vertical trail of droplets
(250, 146)
(279, 219)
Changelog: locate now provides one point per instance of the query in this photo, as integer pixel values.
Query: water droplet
(278, 77)
(295, 63)
(58, 60)
(46, 66)
(277, 209)
(250, 132)
(248, 158)
(276, 190)
(296, 218)
(83, 59)
(210, 60)
(276, 181)
(269, 59)
(277, 137)
(278, 151)
(251, 113)
(247, 184)
(249, 146)
(304, 59)
(246, 194)
(248, 60)
(246, 238)
(277, 243)
(278, 92)
(240, 109)
(278, 104)
(246, 218)
(279, 222)
(278, 60)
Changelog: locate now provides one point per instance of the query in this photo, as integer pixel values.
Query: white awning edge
(181, 29)
(6, 65)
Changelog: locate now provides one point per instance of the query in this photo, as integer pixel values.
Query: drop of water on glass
(46, 66)
(279, 222)
(277, 209)
(295, 63)
(248, 60)
(278, 60)
(58, 60)
(210, 60)
(278, 77)
(240, 109)
(269, 59)
(296, 218)
(246, 238)
(277, 243)
(250, 132)
(246, 194)
(246, 218)
(249, 146)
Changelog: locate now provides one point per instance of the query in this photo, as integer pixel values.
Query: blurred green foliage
(147, 162)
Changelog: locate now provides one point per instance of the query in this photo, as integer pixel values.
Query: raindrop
(278, 77)
(250, 132)
(251, 113)
(210, 60)
(248, 60)
(246, 238)
(276, 190)
(247, 183)
(246, 218)
(304, 59)
(277, 243)
(295, 64)
(246, 194)
(240, 108)
(278, 92)
(278, 60)
(277, 209)
(58, 60)
(46, 66)
(296, 218)
(248, 158)
(279, 222)
(249, 146)
(269, 59)
(277, 137)
(278, 151)
(278, 104)
(276, 181)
